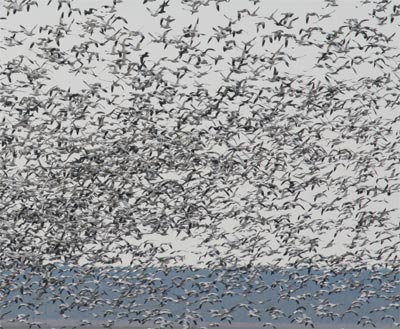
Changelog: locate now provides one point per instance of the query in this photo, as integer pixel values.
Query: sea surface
(242, 325)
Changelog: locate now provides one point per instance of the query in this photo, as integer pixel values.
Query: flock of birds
(254, 141)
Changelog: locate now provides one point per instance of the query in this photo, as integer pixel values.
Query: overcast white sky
(140, 19)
